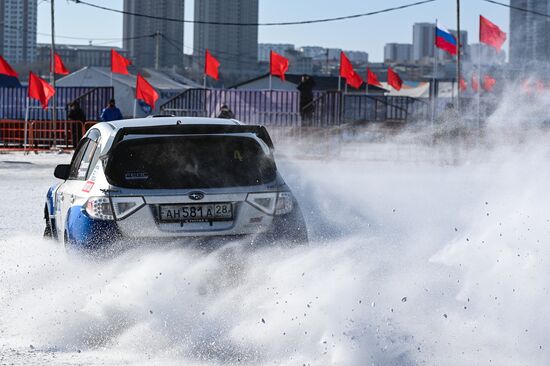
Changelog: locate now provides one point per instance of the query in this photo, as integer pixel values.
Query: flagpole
(25, 141)
(367, 83)
(270, 68)
(204, 81)
(434, 74)
(52, 74)
(135, 107)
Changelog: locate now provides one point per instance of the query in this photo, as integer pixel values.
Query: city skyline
(393, 27)
(143, 50)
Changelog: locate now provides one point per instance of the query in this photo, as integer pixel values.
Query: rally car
(172, 178)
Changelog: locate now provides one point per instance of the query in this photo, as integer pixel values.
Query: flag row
(43, 91)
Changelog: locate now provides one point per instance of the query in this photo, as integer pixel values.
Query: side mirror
(62, 171)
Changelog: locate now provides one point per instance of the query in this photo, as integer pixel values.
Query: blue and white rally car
(172, 177)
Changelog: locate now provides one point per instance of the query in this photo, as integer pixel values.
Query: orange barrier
(12, 134)
(41, 135)
(88, 125)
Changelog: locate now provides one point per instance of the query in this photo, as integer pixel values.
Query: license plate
(197, 213)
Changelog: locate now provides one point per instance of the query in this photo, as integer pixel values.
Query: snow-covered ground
(413, 261)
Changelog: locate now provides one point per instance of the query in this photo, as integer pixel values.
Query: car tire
(69, 245)
(288, 230)
(48, 233)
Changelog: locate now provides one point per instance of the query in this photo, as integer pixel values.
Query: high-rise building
(529, 41)
(18, 30)
(518, 31)
(398, 52)
(423, 41)
(139, 33)
(236, 47)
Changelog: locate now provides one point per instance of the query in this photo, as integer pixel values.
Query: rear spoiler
(187, 129)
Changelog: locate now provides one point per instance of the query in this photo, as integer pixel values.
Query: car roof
(111, 129)
(163, 121)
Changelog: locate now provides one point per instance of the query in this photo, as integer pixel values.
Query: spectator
(225, 112)
(306, 99)
(76, 114)
(111, 112)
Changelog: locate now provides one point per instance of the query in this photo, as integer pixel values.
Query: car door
(74, 192)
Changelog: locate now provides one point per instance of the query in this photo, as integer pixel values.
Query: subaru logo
(196, 196)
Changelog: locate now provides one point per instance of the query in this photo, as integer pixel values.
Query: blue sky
(364, 34)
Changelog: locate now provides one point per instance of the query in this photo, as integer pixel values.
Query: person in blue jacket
(111, 112)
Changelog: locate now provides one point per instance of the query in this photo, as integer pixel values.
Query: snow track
(410, 263)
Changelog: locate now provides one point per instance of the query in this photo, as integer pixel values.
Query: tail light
(125, 206)
(103, 208)
(263, 201)
(285, 203)
(272, 203)
(99, 208)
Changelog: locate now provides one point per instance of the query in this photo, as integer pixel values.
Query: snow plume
(413, 260)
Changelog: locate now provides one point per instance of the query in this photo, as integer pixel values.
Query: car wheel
(288, 230)
(69, 245)
(48, 229)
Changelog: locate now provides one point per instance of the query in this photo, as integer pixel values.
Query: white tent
(125, 86)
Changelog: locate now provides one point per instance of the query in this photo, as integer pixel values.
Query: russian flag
(444, 39)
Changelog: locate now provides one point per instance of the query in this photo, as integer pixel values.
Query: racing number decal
(90, 183)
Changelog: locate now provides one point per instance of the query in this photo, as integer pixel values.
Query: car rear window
(189, 162)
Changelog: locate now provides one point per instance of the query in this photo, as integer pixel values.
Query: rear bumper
(85, 232)
(144, 223)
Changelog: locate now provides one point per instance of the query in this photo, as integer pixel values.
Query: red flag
(355, 80)
(463, 85)
(119, 63)
(211, 66)
(475, 83)
(488, 83)
(490, 34)
(279, 64)
(40, 89)
(6, 69)
(394, 80)
(372, 79)
(540, 86)
(145, 91)
(347, 72)
(59, 66)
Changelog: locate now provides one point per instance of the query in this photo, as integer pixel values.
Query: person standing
(111, 112)
(307, 106)
(76, 114)
(225, 112)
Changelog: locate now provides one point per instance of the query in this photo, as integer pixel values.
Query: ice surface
(465, 243)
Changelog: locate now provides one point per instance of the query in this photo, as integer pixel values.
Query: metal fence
(13, 102)
(41, 135)
(250, 106)
(282, 108)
